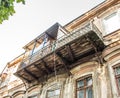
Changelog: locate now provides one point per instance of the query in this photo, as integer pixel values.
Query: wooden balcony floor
(64, 57)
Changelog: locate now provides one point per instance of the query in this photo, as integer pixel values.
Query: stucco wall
(67, 83)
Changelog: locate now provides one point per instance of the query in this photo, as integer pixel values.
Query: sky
(33, 18)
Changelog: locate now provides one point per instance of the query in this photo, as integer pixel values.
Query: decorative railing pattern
(59, 43)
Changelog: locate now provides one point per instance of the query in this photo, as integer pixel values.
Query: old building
(78, 60)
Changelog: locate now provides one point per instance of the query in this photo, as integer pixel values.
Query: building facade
(78, 60)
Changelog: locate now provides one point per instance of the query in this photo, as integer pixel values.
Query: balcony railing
(59, 43)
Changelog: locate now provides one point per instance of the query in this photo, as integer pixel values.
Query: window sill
(112, 37)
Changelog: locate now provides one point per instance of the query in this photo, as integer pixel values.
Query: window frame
(117, 77)
(84, 87)
(107, 16)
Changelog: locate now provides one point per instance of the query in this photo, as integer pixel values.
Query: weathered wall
(67, 83)
(104, 84)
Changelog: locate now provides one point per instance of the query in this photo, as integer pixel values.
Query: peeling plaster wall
(67, 83)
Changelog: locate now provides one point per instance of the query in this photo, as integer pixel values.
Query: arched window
(84, 87)
(54, 91)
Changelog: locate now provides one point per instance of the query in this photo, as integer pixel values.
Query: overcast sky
(32, 19)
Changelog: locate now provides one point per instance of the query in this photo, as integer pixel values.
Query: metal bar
(35, 42)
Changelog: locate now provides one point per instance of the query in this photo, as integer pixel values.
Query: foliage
(7, 8)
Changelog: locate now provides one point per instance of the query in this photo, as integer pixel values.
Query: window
(84, 87)
(53, 93)
(117, 76)
(112, 23)
(44, 43)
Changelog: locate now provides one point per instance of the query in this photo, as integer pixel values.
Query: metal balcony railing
(59, 43)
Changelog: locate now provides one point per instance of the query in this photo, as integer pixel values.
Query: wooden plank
(40, 69)
(22, 78)
(85, 59)
(64, 62)
(70, 53)
(46, 67)
(96, 49)
(31, 74)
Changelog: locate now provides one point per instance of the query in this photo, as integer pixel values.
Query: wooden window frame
(117, 77)
(84, 87)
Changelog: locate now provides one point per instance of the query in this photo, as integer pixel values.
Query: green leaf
(7, 8)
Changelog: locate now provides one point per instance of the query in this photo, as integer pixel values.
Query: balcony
(62, 54)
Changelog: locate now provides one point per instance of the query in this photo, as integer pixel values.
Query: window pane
(112, 23)
(117, 70)
(118, 81)
(57, 92)
(80, 94)
(117, 76)
(80, 83)
(50, 93)
(53, 93)
(84, 87)
(89, 81)
(89, 93)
